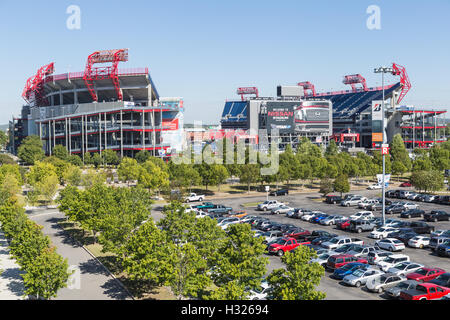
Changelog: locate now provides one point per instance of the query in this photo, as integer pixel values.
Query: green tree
(60, 152)
(92, 177)
(75, 160)
(97, 160)
(110, 157)
(128, 170)
(5, 159)
(9, 187)
(299, 279)
(46, 275)
(31, 150)
(142, 156)
(72, 175)
(88, 158)
(3, 139)
(249, 174)
(241, 262)
(183, 176)
(152, 176)
(332, 149)
(400, 154)
(326, 186)
(398, 168)
(48, 187)
(427, 180)
(341, 184)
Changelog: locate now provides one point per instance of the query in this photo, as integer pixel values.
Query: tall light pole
(383, 70)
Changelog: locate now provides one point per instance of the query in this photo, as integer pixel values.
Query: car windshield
(403, 285)
(359, 273)
(422, 272)
(324, 256)
(334, 240)
(348, 266)
(358, 249)
(421, 289)
(390, 260)
(280, 241)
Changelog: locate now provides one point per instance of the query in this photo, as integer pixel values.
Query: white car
(391, 261)
(381, 232)
(405, 267)
(390, 244)
(281, 209)
(419, 242)
(322, 258)
(362, 215)
(201, 214)
(383, 282)
(361, 276)
(367, 203)
(308, 216)
(261, 292)
(331, 220)
(226, 222)
(375, 187)
(194, 197)
(410, 205)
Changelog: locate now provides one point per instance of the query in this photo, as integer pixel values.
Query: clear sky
(203, 50)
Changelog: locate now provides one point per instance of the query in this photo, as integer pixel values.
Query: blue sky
(203, 50)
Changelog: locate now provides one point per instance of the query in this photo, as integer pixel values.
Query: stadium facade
(102, 108)
(354, 114)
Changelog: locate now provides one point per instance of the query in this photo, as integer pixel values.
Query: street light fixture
(383, 70)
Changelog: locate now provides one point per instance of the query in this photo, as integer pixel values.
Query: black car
(444, 200)
(421, 227)
(332, 199)
(318, 241)
(272, 227)
(390, 194)
(442, 280)
(319, 233)
(413, 213)
(286, 227)
(421, 197)
(405, 236)
(437, 215)
(281, 192)
(395, 209)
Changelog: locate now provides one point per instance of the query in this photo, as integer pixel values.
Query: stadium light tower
(383, 70)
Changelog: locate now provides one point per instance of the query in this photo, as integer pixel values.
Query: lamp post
(383, 70)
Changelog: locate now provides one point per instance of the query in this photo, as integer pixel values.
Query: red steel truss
(404, 80)
(355, 79)
(35, 85)
(308, 86)
(247, 90)
(101, 73)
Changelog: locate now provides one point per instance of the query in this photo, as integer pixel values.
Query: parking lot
(312, 201)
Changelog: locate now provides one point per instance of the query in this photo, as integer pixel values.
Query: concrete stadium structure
(102, 108)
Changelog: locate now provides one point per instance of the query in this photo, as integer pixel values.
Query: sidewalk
(11, 283)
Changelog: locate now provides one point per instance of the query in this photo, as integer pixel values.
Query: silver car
(383, 282)
(322, 258)
(394, 292)
(404, 268)
(361, 276)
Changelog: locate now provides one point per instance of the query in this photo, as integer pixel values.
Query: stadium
(354, 114)
(102, 108)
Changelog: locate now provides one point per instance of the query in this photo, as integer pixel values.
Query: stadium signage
(280, 114)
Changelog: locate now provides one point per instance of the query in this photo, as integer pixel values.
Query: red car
(406, 184)
(425, 291)
(343, 225)
(425, 274)
(296, 233)
(339, 260)
(283, 245)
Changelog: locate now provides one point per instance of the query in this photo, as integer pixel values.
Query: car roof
(395, 256)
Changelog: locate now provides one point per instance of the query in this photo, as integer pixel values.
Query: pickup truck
(194, 197)
(283, 245)
(269, 205)
(339, 241)
(219, 208)
(204, 206)
(421, 227)
(425, 291)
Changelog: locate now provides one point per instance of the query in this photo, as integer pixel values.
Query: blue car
(319, 218)
(348, 269)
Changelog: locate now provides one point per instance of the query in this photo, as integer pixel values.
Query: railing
(79, 75)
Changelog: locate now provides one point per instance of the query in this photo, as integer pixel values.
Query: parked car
(319, 233)
(318, 241)
(194, 197)
(443, 250)
(347, 269)
(425, 274)
(318, 218)
(439, 233)
(362, 215)
(406, 185)
(219, 208)
(424, 291)
(430, 198)
(435, 242)
(330, 220)
(281, 209)
(298, 213)
(413, 213)
(367, 203)
(405, 236)
(378, 256)
(419, 242)
(384, 282)
(395, 209)
(321, 259)
(269, 205)
(336, 242)
(381, 233)
(344, 224)
(286, 227)
(391, 261)
(362, 276)
(421, 227)
(362, 251)
(394, 292)
(271, 235)
(361, 225)
(307, 216)
(339, 260)
(442, 280)
(353, 201)
(345, 248)
(390, 244)
(281, 192)
(405, 267)
(333, 199)
(297, 233)
(283, 245)
(437, 215)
